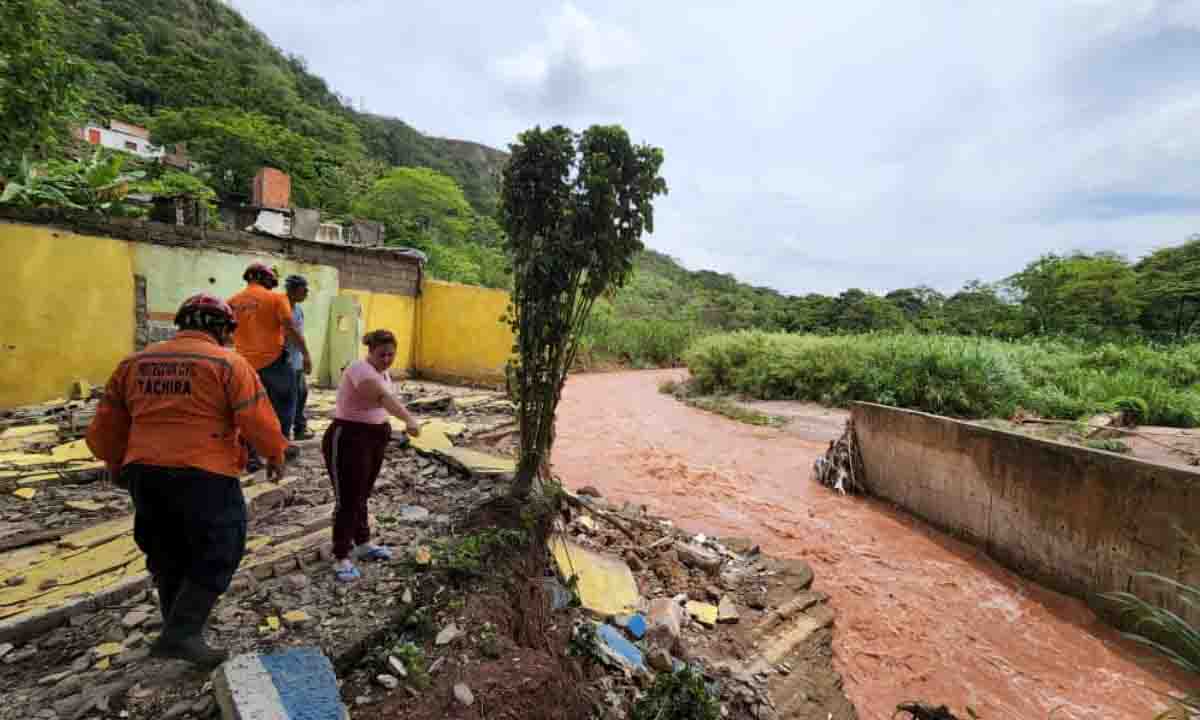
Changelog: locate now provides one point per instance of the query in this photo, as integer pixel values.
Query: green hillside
(195, 71)
(144, 57)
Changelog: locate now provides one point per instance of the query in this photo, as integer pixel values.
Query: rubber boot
(168, 590)
(183, 636)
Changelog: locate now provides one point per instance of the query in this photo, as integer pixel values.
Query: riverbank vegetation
(954, 375)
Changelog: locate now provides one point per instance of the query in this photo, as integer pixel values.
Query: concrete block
(296, 684)
(606, 585)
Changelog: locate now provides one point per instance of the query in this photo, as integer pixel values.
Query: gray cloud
(814, 147)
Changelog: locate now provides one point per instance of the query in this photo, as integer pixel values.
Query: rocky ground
(473, 618)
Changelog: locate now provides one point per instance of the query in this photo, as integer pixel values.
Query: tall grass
(1160, 629)
(638, 342)
(953, 375)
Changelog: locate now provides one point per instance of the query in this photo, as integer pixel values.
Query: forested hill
(196, 72)
(145, 58)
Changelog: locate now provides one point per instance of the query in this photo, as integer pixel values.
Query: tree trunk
(523, 481)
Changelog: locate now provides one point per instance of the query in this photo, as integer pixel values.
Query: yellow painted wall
(389, 312)
(460, 333)
(66, 310)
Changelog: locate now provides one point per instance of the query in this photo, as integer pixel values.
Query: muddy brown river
(921, 616)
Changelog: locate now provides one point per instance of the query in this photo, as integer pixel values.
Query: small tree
(574, 207)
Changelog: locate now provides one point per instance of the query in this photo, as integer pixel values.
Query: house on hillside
(132, 139)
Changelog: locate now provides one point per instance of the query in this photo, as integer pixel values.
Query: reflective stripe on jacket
(185, 403)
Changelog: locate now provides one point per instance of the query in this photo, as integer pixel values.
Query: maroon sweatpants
(353, 456)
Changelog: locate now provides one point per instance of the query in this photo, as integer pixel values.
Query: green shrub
(953, 375)
(677, 696)
(1108, 444)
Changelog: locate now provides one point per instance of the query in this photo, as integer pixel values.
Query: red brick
(272, 188)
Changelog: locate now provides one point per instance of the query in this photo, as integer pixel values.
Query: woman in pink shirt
(354, 446)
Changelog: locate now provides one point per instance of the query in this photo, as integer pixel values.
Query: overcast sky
(816, 146)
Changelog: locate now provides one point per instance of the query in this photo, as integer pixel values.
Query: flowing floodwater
(921, 616)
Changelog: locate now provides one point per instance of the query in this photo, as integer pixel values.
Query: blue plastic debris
(622, 652)
(634, 624)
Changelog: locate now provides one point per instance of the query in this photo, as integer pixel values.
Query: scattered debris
(727, 611)
(296, 618)
(449, 634)
(703, 613)
(463, 695)
(304, 676)
(634, 624)
(660, 660)
(423, 556)
(605, 584)
(694, 555)
(841, 467)
(618, 651)
(919, 711)
(387, 681)
(387, 624)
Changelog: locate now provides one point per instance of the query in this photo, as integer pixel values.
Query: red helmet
(201, 305)
(262, 273)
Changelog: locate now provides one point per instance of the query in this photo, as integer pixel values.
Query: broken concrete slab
(703, 613)
(430, 404)
(74, 450)
(605, 584)
(463, 694)
(413, 513)
(25, 436)
(701, 558)
(294, 684)
(449, 634)
(727, 611)
(465, 402)
(479, 463)
(296, 618)
(664, 621)
(435, 436)
(660, 660)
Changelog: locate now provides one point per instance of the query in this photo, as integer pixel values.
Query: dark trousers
(279, 380)
(353, 456)
(299, 421)
(190, 523)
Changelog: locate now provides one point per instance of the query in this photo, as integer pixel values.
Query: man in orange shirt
(264, 326)
(170, 426)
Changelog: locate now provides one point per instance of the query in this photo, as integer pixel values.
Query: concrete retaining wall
(1077, 520)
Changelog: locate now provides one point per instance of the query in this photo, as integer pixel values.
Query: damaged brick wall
(383, 270)
(141, 314)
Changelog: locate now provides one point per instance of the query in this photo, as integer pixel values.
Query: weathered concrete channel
(920, 615)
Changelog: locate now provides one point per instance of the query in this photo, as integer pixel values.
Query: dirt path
(920, 616)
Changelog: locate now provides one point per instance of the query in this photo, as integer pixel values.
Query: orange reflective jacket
(184, 403)
(262, 316)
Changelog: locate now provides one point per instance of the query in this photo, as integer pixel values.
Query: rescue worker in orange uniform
(170, 427)
(265, 326)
